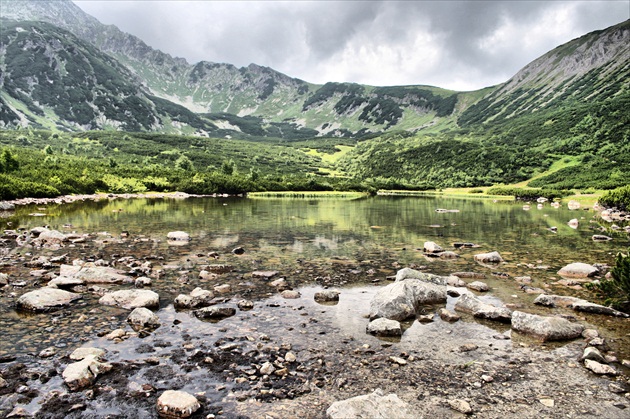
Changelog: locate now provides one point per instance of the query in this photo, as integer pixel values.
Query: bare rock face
(545, 328)
(46, 299)
(578, 270)
(177, 404)
(374, 405)
(468, 303)
(82, 374)
(131, 299)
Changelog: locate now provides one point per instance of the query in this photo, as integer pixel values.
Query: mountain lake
(315, 353)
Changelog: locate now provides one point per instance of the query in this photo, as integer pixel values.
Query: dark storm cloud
(456, 44)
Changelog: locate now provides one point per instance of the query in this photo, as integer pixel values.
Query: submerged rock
(545, 328)
(327, 296)
(46, 299)
(178, 236)
(491, 257)
(214, 312)
(374, 405)
(131, 299)
(468, 303)
(177, 404)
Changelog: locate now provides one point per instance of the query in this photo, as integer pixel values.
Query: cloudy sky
(461, 45)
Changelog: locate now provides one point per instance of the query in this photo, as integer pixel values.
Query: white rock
(384, 327)
(83, 373)
(599, 369)
(491, 257)
(178, 236)
(578, 270)
(142, 316)
(432, 247)
(46, 299)
(82, 353)
(177, 404)
(545, 328)
(131, 299)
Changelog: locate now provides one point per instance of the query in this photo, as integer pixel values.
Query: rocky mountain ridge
(592, 67)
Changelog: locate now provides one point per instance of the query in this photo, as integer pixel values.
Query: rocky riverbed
(227, 337)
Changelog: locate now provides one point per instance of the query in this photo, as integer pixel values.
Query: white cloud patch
(462, 45)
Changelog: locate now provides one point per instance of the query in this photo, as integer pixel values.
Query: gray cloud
(454, 44)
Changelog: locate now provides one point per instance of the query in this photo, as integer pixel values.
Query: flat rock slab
(545, 328)
(177, 404)
(46, 299)
(578, 270)
(374, 405)
(577, 304)
(95, 274)
(468, 303)
(131, 299)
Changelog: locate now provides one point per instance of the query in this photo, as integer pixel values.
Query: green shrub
(618, 198)
(616, 290)
(528, 194)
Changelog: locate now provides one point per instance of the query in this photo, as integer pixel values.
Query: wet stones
(197, 298)
(578, 270)
(478, 286)
(290, 294)
(46, 299)
(177, 404)
(131, 299)
(468, 303)
(384, 327)
(432, 247)
(448, 316)
(82, 353)
(143, 317)
(599, 368)
(408, 273)
(374, 405)
(264, 274)
(218, 268)
(214, 312)
(577, 304)
(545, 328)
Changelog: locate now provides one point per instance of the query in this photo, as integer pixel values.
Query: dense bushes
(618, 198)
(616, 290)
(528, 194)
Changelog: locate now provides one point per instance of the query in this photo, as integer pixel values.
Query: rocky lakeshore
(136, 326)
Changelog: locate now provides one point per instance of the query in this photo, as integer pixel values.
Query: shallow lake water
(351, 244)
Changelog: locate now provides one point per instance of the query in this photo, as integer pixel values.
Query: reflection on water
(361, 240)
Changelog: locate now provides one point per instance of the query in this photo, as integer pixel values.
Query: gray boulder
(588, 307)
(131, 299)
(143, 317)
(549, 300)
(478, 286)
(402, 299)
(432, 247)
(46, 299)
(65, 282)
(326, 296)
(545, 328)
(375, 406)
(384, 327)
(197, 298)
(468, 303)
(50, 237)
(178, 236)
(82, 374)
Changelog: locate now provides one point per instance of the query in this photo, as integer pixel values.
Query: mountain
(52, 79)
(592, 68)
(333, 109)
